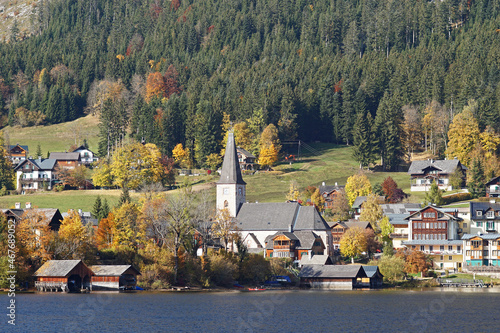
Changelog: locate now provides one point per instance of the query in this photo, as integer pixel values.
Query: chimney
(28, 205)
(18, 205)
(290, 228)
(323, 183)
(80, 212)
(309, 254)
(492, 201)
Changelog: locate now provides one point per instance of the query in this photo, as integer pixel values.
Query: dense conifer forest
(387, 76)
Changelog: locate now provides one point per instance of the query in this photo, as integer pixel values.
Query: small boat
(256, 289)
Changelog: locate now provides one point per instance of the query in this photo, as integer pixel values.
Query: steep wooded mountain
(167, 71)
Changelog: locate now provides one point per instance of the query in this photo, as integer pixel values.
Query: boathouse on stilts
(63, 276)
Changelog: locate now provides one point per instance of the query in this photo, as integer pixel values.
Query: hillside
(334, 164)
(21, 11)
(169, 71)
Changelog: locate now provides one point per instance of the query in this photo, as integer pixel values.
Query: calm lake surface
(464, 310)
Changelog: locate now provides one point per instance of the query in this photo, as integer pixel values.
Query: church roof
(279, 216)
(231, 173)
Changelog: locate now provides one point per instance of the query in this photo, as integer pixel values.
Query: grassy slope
(56, 138)
(335, 164)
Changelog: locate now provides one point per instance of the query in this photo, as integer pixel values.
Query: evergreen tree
(476, 184)
(363, 140)
(97, 209)
(434, 196)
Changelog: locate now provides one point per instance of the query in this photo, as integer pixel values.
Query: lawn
(55, 138)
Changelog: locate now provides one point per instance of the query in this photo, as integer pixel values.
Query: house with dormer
(34, 175)
(330, 193)
(423, 173)
(66, 160)
(87, 156)
(255, 222)
(246, 159)
(294, 245)
(493, 187)
(18, 153)
(485, 217)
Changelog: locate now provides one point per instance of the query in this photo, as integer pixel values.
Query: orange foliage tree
(155, 86)
(105, 232)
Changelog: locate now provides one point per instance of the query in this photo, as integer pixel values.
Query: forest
(387, 76)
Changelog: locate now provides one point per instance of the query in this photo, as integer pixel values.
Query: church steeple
(231, 172)
(230, 187)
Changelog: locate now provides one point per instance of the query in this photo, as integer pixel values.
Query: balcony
(396, 235)
(34, 180)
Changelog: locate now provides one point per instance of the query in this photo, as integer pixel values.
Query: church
(277, 229)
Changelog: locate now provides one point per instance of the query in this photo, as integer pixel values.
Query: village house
(18, 154)
(34, 175)
(294, 245)
(445, 254)
(63, 275)
(50, 217)
(493, 187)
(87, 156)
(332, 277)
(329, 193)
(485, 217)
(256, 221)
(374, 279)
(357, 205)
(246, 159)
(433, 223)
(481, 249)
(423, 173)
(114, 277)
(338, 229)
(66, 160)
(397, 214)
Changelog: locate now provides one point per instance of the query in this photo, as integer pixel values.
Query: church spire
(231, 173)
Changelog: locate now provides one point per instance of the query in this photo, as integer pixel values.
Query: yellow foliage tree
(105, 232)
(293, 192)
(489, 141)
(135, 165)
(32, 235)
(463, 134)
(181, 156)
(270, 137)
(268, 156)
(372, 212)
(128, 230)
(102, 174)
(357, 185)
(318, 200)
(72, 227)
(353, 243)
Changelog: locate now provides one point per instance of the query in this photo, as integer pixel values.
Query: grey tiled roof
(25, 147)
(112, 270)
(359, 200)
(65, 156)
(433, 242)
(444, 166)
(231, 173)
(400, 208)
(42, 164)
(279, 216)
(397, 218)
(493, 181)
(332, 271)
(483, 207)
(355, 223)
(245, 152)
(329, 188)
(445, 211)
(482, 236)
(57, 267)
(371, 270)
(306, 239)
(318, 259)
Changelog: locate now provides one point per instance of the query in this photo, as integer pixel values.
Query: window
(441, 258)
(441, 248)
(450, 248)
(479, 224)
(435, 225)
(430, 215)
(485, 253)
(459, 248)
(427, 225)
(465, 225)
(479, 213)
(467, 253)
(494, 253)
(420, 225)
(490, 225)
(439, 225)
(450, 258)
(422, 248)
(225, 191)
(490, 214)
(431, 248)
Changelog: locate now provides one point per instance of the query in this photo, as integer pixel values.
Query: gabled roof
(445, 211)
(400, 208)
(306, 239)
(74, 156)
(329, 188)
(245, 152)
(493, 180)
(57, 267)
(444, 166)
(332, 271)
(112, 270)
(279, 216)
(360, 224)
(371, 271)
(317, 259)
(80, 149)
(397, 218)
(254, 238)
(24, 147)
(361, 199)
(231, 173)
(42, 164)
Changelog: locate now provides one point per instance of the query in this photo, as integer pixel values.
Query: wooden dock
(462, 283)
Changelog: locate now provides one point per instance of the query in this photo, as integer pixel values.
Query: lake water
(465, 310)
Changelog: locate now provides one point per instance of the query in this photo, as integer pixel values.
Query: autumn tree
(357, 185)
(463, 134)
(129, 232)
(169, 172)
(386, 229)
(32, 237)
(293, 192)
(415, 261)
(372, 243)
(73, 238)
(317, 200)
(224, 227)
(270, 137)
(181, 156)
(155, 86)
(412, 130)
(135, 164)
(391, 267)
(353, 243)
(104, 235)
(268, 156)
(340, 207)
(6, 170)
(213, 161)
(392, 192)
(372, 212)
(102, 176)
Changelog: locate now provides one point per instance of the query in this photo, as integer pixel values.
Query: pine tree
(363, 139)
(476, 184)
(97, 209)
(434, 196)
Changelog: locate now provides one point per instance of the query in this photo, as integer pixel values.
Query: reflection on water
(461, 310)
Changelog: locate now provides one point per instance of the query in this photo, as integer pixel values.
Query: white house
(87, 156)
(35, 174)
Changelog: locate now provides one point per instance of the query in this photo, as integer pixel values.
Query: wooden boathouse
(332, 277)
(63, 275)
(114, 277)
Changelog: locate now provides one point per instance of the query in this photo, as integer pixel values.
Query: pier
(462, 283)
